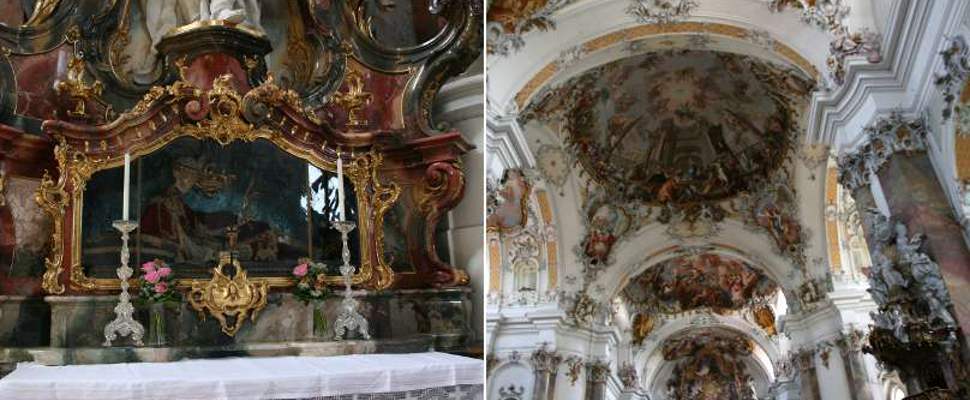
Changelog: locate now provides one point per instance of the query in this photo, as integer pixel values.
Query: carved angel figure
(933, 289)
(152, 20)
(926, 273)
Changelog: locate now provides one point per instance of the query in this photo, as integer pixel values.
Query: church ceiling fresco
(686, 138)
(704, 281)
(508, 202)
(679, 126)
(710, 365)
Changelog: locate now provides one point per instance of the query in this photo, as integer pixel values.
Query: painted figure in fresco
(702, 281)
(711, 367)
(510, 202)
(600, 240)
(784, 229)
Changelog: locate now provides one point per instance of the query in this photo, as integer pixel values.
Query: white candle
(340, 187)
(124, 208)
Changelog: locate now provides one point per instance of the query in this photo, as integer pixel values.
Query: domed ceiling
(713, 281)
(679, 126)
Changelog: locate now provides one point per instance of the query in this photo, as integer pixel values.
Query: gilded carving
(225, 298)
(442, 189)
(43, 10)
(74, 89)
(643, 324)
(52, 198)
(765, 318)
(384, 196)
(354, 99)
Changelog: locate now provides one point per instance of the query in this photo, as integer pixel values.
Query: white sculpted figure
(926, 274)
(156, 18)
(234, 11)
(161, 16)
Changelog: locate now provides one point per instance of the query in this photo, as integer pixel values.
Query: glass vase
(319, 321)
(156, 325)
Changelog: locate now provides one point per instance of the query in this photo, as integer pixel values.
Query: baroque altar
(235, 118)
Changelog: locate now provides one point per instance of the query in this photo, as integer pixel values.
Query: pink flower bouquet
(157, 283)
(311, 282)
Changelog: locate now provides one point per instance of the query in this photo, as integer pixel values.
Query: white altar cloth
(244, 378)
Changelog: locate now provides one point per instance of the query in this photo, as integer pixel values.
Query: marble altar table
(399, 376)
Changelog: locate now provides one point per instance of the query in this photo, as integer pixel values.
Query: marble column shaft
(596, 375)
(809, 379)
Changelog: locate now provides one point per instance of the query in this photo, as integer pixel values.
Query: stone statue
(157, 18)
(884, 272)
(898, 325)
(926, 275)
(628, 376)
(161, 16)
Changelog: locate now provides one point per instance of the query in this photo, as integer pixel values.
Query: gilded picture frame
(159, 120)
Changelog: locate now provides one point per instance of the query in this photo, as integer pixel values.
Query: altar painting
(194, 199)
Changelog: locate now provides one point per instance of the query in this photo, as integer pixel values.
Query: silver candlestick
(123, 323)
(349, 319)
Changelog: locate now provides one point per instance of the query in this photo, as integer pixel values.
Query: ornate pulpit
(235, 126)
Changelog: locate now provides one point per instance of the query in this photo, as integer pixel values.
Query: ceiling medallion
(661, 11)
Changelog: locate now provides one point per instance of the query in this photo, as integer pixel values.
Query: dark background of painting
(277, 200)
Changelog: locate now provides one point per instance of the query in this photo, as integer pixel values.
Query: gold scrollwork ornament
(765, 318)
(52, 198)
(643, 325)
(354, 99)
(226, 298)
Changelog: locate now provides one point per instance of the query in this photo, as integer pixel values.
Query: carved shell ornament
(227, 298)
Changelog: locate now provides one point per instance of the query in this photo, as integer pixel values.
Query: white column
(459, 105)
(815, 331)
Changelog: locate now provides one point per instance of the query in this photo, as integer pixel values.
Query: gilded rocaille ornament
(74, 88)
(765, 318)
(236, 298)
(354, 99)
(43, 10)
(52, 198)
(643, 324)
